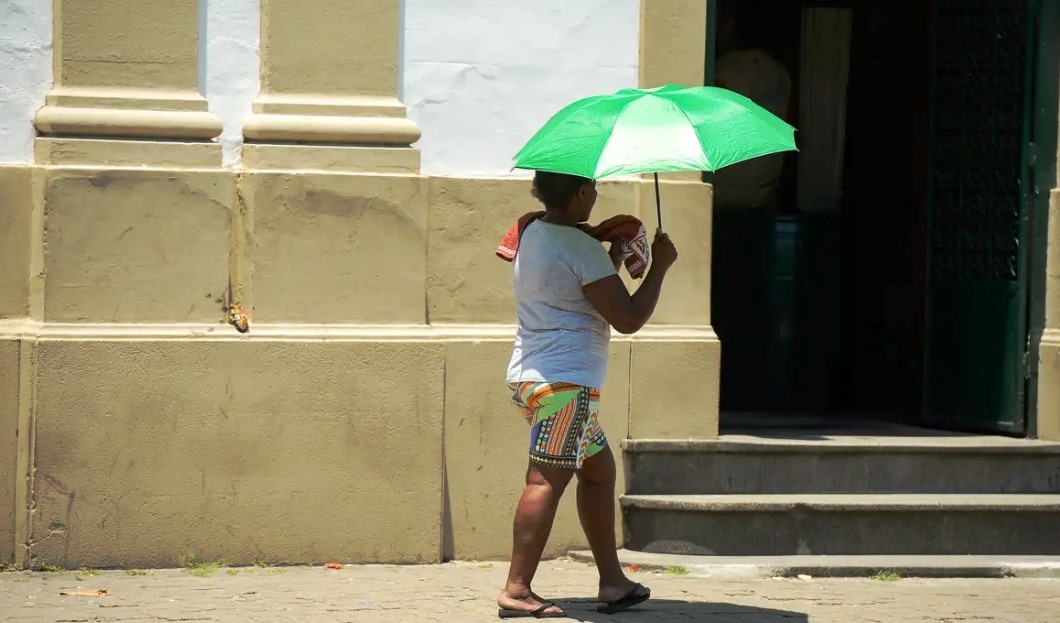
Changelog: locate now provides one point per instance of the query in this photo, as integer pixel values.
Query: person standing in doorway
(568, 296)
(749, 70)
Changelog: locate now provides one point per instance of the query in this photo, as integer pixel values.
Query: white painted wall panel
(25, 73)
(480, 76)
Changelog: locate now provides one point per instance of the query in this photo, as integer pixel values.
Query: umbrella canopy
(669, 128)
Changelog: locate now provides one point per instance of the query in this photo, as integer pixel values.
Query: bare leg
(596, 509)
(533, 523)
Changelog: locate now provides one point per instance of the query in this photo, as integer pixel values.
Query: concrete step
(871, 464)
(839, 524)
(753, 567)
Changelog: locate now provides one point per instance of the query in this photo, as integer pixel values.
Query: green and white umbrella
(669, 128)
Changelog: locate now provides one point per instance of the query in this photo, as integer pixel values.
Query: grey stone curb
(750, 567)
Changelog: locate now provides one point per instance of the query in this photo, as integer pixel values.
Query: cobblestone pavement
(465, 592)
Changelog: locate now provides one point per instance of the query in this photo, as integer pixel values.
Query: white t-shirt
(561, 336)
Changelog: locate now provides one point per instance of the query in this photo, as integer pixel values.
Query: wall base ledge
(331, 158)
(29, 329)
(112, 153)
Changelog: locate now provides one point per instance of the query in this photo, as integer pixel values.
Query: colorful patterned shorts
(564, 422)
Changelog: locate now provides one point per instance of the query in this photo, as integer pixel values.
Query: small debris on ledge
(239, 318)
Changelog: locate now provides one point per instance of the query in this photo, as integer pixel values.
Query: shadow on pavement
(665, 610)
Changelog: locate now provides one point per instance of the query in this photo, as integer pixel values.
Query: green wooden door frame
(976, 364)
(1043, 180)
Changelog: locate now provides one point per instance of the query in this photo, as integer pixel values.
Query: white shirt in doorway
(761, 78)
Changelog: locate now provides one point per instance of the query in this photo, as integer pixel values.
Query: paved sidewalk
(464, 592)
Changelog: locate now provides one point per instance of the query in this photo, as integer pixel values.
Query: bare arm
(628, 313)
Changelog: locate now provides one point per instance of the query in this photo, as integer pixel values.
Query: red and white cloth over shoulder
(625, 230)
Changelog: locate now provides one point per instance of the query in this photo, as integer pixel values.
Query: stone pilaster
(329, 77)
(673, 47)
(1049, 364)
(673, 42)
(125, 69)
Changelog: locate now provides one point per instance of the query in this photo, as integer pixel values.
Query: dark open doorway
(843, 296)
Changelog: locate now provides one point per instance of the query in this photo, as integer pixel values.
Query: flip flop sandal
(638, 595)
(534, 614)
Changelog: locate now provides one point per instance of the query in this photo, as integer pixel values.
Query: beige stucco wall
(485, 451)
(688, 219)
(674, 388)
(1049, 365)
(364, 417)
(237, 450)
(86, 36)
(468, 285)
(9, 366)
(15, 223)
(358, 35)
(466, 282)
(136, 246)
(116, 73)
(355, 100)
(160, 431)
(673, 36)
(337, 248)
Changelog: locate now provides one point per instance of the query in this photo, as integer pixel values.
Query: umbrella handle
(658, 202)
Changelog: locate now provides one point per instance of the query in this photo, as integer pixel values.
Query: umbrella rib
(628, 104)
(610, 136)
(706, 156)
(585, 103)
